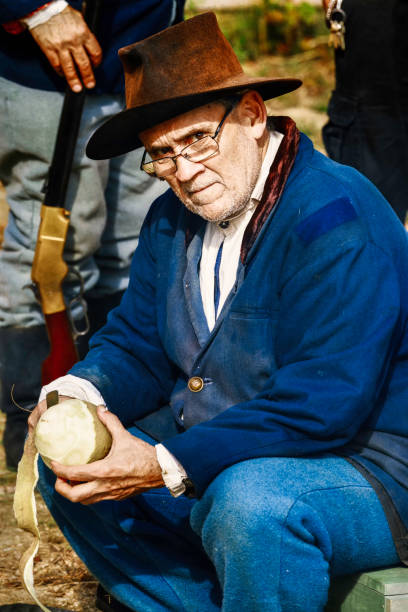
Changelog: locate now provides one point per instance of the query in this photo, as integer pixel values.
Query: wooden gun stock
(63, 353)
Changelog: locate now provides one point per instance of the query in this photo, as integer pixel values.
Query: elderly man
(254, 374)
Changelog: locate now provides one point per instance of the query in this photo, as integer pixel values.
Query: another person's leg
(129, 193)
(277, 529)
(28, 123)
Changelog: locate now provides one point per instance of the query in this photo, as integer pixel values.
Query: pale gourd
(72, 434)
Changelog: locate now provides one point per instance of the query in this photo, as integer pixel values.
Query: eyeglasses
(198, 151)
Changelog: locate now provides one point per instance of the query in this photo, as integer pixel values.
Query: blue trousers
(268, 534)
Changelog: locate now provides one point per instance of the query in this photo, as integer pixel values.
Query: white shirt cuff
(73, 386)
(172, 471)
(44, 14)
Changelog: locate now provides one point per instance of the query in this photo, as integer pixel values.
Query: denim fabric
(274, 529)
(108, 200)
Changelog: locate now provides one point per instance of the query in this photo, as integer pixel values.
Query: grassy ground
(308, 104)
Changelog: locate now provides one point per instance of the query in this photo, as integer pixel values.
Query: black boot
(22, 351)
(14, 436)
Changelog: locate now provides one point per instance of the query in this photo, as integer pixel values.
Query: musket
(49, 268)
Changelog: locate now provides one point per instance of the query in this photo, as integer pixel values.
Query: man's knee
(238, 509)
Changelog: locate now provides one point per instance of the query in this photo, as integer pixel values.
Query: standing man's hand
(131, 467)
(70, 47)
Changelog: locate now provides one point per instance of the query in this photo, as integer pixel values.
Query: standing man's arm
(70, 47)
(61, 33)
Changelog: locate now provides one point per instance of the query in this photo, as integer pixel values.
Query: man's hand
(70, 47)
(131, 467)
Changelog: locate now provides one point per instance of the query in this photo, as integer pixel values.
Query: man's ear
(253, 114)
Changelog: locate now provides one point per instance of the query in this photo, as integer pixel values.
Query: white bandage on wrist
(43, 15)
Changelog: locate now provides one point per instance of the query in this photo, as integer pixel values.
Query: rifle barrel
(64, 149)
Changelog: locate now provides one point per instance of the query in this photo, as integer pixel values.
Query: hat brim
(119, 135)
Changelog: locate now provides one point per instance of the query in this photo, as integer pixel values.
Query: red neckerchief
(276, 181)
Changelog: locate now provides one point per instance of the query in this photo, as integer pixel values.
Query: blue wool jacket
(309, 354)
(122, 22)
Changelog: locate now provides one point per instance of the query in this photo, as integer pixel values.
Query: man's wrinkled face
(219, 187)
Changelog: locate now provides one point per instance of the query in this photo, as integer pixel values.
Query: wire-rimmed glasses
(197, 151)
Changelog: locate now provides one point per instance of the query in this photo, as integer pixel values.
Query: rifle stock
(63, 353)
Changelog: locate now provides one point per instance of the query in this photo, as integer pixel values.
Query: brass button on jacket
(195, 384)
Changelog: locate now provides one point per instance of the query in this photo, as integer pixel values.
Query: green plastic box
(383, 590)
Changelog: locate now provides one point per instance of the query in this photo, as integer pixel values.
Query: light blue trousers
(267, 535)
(108, 199)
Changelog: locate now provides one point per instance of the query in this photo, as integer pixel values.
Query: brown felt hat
(172, 72)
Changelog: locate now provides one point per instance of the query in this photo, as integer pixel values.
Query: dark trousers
(374, 140)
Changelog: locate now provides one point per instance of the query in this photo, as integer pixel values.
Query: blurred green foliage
(270, 27)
